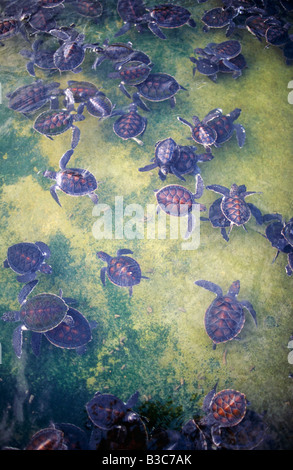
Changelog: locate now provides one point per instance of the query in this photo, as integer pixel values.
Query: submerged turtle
(72, 336)
(47, 439)
(121, 270)
(279, 234)
(39, 314)
(239, 62)
(130, 124)
(106, 410)
(178, 201)
(72, 181)
(43, 19)
(226, 408)
(131, 73)
(166, 154)
(26, 259)
(117, 53)
(39, 57)
(205, 66)
(187, 160)
(100, 106)
(217, 218)
(246, 435)
(29, 98)
(225, 318)
(130, 11)
(79, 91)
(234, 206)
(88, 8)
(224, 52)
(219, 18)
(10, 27)
(157, 87)
(224, 127)
(201, 132)
(167, 16)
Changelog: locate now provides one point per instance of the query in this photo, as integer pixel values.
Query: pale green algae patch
(154, 342)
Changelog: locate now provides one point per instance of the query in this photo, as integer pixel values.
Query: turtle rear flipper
(26, 290)
(6, 264)
(210, 286)
(240, 134)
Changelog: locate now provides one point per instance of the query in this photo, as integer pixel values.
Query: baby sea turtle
(43, 20)
(219, 18)
(157, 87)
(79, 91)
(100, 106)
(239, 63)
(39, 314)
(39, 57)
(10, 27)
(178, 201)
(26, 259)
(201, 132)
(131, 73)
(224, 127)
(72, 181)
(226, 408)
(88, 8)
(47, 439)
(187, 160)
(246, 435)
(167, 16)
(121, 270)
(275, 233)
(130, 124)
(29, 98)
(72, 336)
(130, 11)
(106, 410)
(234, 206)
(217, 218)
(225, 318)
(166, 153)
(205, 66)
(224, 52)
(117, 53)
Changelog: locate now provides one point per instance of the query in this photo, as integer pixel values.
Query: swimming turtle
(43, 19)
(234, 206)
(100, 106)
(72, 181)
(275, 233)
(187, 161)
(131, 73)
(157, 87)
(225, 318)
(224, 52)
(121, 270)
(130, 124)
(246, 435)
(117, 53)
(166, 154)
(178, 201)
(240, 64)
(277, 35)
(79, 91)
(56, 121)
(219, 18)
(167, 16)
(92, 9)
(29, 98)
(105, 410)
(72, 336)
(74, 438)
(10, 27)
(226, 408)
(26, 259)
(224, 127)
(217, 218)
(205, 67)
(130, 11)
(39, 57)
(47, 439)
(257, 25)
(201, 132)
(39, 314)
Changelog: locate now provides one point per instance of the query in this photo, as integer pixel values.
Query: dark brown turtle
(157, 87)
(234, 206)
(47, 439)
(121, 270)
(201, 132)
(116, 52)
(246, 435)
(130, 11)
(167, 16)
(239, 62)
(131, 73)
(226, 408)
(29, 98)
(275, 233)
(219, 18)
(224, 127)
(92, 9)
(178, 201)
(106, 410)
(186, 163)
(217, 218)
(224, 52)
(10, 27)
(130, 124)
(225, 318)
(80, 91)
(166, 154)
(257, 25)
(39, 57)
(205, 66)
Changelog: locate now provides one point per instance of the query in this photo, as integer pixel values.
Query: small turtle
(257, 25)
(74, 438)
(239, 62)
(130, 11)
(187, 160)
(106, 410)
(10, 27)
(72, 181)
(201, 132)
(178, 201)
(246, 435)
(92, 9)
(130, 124)
(219, 18)
(47, 439)
(43, 20)
(166, 154)
(205, 67)
(29, 98)
(234, 206)
(100, 106)
(26, 259)
(167, 16)
(226, 408)
(225, 318)
(39, 57)
(157, 87)
(217, 218)
(277, 35)
(224, 127)
(79, 91)
(131, 73)
(275, 233)
(224, 52)
(117, 53)
(39, 314)
(74, 336)
(56, 121)
(122, 270)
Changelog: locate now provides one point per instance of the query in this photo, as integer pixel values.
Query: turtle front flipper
(124, 251)
(250, 308)
(256, 213)
(26, 290)
(17, 340)
(153, 27)
(26, 277)
(210, 286)
(65, 159)
(217, 188)
(54, 195)
(240, 134)
(131, 402)
(94, 197)
(75, 137)
(103, 275)
(36, 340)
(151, 166)
(12, 315)
(199, 187)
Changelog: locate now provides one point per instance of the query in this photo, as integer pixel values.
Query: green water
(154, 342)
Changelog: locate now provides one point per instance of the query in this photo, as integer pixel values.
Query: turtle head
(234, 189)
(46, 268)
(50, 174)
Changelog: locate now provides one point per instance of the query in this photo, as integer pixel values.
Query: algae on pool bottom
(154, 342)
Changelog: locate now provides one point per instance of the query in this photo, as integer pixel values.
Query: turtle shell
(76, 181)
(239, 61)
(53, 122)
(228, 408)
(186, 161)
(218, 17)
(24, 257)
(134, 72)
(124, 271)
(205, 66)
(82, 91)
(170, 16)
(204, 134)
(29, 98)
(235, 209)
(89, 8)
(8, 28)
(71, 336)
(43, 20)
(129, 125)
(175, 200)
(69, 56)
(118, 51)
(130, 10)
(158, 87)
(224, 319)
(105, 410)
(165, 151)
(99, 105)
(227, 49)
(216, 215)
(247, 435)
(223, 126)
(47, 439)
(43, 312)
